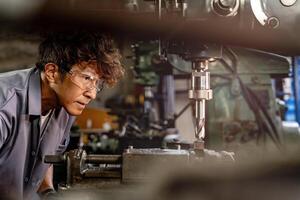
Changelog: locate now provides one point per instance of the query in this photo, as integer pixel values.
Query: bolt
(227, 3)
(273, 22)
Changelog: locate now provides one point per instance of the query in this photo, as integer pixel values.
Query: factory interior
(208, 107)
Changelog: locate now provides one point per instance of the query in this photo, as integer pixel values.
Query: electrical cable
(256, 106)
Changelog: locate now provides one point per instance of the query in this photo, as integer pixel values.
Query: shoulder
(11, 83)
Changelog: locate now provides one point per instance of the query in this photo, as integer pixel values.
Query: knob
(225, 8)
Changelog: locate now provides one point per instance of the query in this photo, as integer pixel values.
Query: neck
(49, 98)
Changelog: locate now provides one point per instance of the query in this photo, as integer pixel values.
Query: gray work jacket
(21, 149)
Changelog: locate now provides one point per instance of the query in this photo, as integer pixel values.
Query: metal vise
(134, 165)
(80, 166)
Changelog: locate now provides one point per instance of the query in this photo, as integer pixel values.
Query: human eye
(87, 77)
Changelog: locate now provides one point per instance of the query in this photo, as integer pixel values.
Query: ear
(51, 72)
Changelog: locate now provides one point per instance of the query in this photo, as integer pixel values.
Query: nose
(91, 94)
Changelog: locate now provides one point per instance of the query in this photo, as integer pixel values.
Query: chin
(74, 112)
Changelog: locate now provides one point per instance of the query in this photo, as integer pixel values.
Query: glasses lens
(77, 80)
(87, 82)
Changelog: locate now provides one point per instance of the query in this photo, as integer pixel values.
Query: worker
(38, 106)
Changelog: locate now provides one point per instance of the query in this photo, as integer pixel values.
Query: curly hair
(66, 49)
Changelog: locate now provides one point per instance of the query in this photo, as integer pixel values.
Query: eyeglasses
(86, 82)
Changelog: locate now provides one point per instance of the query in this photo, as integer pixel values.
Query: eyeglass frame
(98, 89)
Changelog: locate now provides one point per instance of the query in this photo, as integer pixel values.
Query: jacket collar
(34, 93)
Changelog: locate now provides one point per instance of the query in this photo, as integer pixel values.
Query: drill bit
(199, 120)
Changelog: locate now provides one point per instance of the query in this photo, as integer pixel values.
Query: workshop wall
(17, 51)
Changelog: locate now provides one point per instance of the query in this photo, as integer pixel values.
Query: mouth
(81, 105)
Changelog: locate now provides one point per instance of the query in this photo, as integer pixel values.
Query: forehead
(90, 66)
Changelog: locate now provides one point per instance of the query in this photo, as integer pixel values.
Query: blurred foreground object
(262, 24)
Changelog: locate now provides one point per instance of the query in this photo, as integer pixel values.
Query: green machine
(244, 109)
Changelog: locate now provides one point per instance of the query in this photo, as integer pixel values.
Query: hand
(49, 193)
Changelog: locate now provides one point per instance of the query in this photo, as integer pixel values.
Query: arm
(4, 131)
(47, 183)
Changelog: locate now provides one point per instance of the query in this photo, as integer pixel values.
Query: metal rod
(94, 173)
(55, 159)
(103, 159)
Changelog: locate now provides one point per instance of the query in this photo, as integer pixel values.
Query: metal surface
(142, 164)
(138, 166)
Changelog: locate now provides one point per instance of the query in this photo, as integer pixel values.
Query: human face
(86, 81)
(73, 93)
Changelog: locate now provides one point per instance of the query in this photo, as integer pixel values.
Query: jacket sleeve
(3, 131)
(63, 146)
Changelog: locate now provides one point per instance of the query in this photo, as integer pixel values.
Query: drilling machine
(199, 56)
(131, 165)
